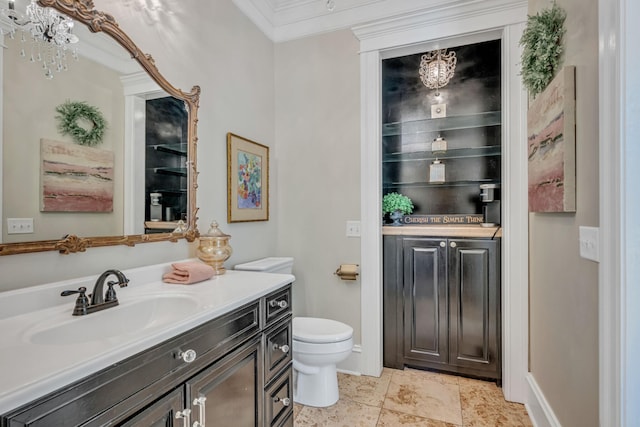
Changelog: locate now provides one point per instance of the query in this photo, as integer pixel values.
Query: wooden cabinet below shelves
(442, 304)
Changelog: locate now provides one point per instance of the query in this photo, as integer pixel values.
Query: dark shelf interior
(472, 130)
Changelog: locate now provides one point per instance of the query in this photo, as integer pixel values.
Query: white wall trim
(619, 294)
(370, 220)
(515, 237)
(537, 406)
(136, 88)
(515, 220)
(352, 364)
(439, 23)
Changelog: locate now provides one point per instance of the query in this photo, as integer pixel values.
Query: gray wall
(563, 286)
(211, 44)
(318, 158)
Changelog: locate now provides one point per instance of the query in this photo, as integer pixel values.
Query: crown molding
(283, 20)
(434, 23)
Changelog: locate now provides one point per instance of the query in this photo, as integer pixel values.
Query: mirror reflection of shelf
(492, 118)
(171, 171)
(472, 183)
(161, 225)
(170, 191)
(461, 153)
(179, 149)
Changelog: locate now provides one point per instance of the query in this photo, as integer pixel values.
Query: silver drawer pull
(200, 401)
(285, 400)
(284, 348)
(188, 356)
(443, 244)
(282, 303)
(185, 414)
(453, 244)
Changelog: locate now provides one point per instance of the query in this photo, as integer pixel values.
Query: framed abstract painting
(551, 123)
(247, 180)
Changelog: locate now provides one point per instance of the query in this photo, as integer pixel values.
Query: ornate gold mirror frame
(83, 11)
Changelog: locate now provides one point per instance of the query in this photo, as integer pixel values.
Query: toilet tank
(268, 265)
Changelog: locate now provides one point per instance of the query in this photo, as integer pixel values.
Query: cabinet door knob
(185, 414)
(284, 348)
(187, 356)
(443, 244)
(281, 303)
(200, 401)
(284, 400)
(453, 244)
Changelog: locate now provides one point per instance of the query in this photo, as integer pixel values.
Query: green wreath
(542, 48)
(70, 112)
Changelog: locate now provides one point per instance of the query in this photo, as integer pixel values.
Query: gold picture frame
(247, 180)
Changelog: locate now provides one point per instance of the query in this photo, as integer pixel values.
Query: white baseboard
(352, 364)
(538, 408)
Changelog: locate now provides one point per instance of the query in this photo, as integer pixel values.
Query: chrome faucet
(99, 301)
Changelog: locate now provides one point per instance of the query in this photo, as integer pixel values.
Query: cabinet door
(425, 301)
(160, 414)
(232, 388)
(475, 306)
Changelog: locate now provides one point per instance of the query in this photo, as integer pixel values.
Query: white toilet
(318, 345)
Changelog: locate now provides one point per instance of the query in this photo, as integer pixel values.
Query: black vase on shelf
(396, 216)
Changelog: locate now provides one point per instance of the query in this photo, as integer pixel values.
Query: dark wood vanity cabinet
(241, 376)
(442, 304)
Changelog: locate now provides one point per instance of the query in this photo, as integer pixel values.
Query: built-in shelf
(491, 150)
(475, 182)
(179, 149)
(171, 171)
(179, 191)
(492, 118)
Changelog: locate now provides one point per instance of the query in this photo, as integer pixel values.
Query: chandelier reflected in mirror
(436, 68)
(48, 32)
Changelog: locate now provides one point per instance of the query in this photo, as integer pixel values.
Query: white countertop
(30, 370)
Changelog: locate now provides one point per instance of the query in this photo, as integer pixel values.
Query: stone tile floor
(412, 398)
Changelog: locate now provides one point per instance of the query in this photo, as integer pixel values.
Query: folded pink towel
(186, 273)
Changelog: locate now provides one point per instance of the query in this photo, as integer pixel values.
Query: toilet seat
(317, 331)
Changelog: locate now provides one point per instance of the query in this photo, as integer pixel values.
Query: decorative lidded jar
(214, 249)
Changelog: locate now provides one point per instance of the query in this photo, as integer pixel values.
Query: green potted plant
(396, 205)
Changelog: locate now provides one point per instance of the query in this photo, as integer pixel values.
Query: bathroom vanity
(170, 355)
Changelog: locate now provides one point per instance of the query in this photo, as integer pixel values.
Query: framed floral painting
(247, 180)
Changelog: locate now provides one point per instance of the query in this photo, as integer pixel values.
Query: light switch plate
(590, 243)
(353, 228)
(19, 225)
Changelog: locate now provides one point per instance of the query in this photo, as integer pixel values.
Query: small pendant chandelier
(436, 68)
(49, 32)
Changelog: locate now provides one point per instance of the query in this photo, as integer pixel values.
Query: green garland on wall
(68, 115)
(542, 43)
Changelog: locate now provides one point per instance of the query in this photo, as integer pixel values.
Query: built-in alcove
(165, 162)
(472, 128)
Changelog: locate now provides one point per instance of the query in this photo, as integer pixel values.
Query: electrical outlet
(353, 228)
(590, 243)
(19, 225)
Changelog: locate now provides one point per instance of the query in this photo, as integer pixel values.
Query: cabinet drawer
(279, 399)
(277, 305)
(278, 348)
(117, 392)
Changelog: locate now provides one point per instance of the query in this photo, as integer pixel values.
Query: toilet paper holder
(347, 271)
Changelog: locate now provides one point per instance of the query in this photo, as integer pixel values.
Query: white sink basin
(130, 317)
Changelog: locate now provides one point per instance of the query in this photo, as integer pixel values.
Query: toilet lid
(315, 330)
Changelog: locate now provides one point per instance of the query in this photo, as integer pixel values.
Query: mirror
(120, 93)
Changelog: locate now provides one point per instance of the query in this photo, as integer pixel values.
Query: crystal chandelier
(48, 32)
(436, 68)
